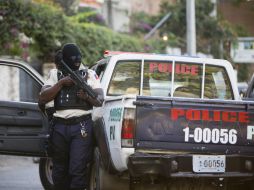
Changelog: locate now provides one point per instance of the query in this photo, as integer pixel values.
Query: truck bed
(196, 126)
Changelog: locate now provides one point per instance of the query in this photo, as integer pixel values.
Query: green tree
(89, 17)
(94, 40)
(142, 23)
(45, 26)
(69, 6)
(211, 31)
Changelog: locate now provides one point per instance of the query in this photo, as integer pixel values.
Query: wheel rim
(48, 170)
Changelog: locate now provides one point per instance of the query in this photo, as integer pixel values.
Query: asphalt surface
(19, 173)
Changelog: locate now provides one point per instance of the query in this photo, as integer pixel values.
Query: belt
(72, 120)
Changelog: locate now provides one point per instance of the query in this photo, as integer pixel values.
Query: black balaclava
(72, 56)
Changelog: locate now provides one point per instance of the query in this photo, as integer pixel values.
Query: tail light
(128, 128)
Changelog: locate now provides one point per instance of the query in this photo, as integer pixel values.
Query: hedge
(94, 40)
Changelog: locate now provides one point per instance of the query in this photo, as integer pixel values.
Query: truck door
(23, 127)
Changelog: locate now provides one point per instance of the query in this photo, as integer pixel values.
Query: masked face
(75, 62)
(72, 56)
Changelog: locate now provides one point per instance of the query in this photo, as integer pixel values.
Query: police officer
(72, 136)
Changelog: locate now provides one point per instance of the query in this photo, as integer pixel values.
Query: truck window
(217, 84)
(100, 67)
(17, 85)
(157, 78)
(188, 80)
(125, 78)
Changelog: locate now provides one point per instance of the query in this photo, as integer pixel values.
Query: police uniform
(72, 136)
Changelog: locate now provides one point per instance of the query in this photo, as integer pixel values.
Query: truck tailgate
(193, 125)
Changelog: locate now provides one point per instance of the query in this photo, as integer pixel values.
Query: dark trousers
(71, 154)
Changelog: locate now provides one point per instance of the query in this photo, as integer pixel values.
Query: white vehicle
(167, 122)
(170, 117)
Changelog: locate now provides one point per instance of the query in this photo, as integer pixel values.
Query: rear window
(125, 78)
(157, 78)
(217, 84)
(188, 80)
(158, 75)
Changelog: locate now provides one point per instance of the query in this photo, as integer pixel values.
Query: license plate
(209, 164)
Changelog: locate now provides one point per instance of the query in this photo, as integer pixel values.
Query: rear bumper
(141, 164)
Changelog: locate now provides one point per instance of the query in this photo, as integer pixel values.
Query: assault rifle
(79, 81)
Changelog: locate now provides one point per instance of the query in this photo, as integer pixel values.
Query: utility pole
(191, 27)
(109, 11)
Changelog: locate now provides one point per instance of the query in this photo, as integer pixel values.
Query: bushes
(93, 40)
(89, 17)
(48, 28)
(42, 24)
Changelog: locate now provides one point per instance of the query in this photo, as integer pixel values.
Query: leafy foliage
(42, 24)
(141, 23)
(89, 17)
(47, 28)
(94, 40)
(68, 6)
(210, 30)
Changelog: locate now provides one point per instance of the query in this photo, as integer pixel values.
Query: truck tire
(45, 171)
(101, 180)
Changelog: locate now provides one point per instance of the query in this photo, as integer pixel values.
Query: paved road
(19, 173)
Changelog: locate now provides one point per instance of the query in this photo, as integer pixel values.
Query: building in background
(243, 50)
(117, 12)
(96, 4)
(117, 15)
(238, 14)
(151, 7)
(241, 15)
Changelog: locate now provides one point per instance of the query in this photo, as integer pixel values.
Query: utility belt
(72, 120)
